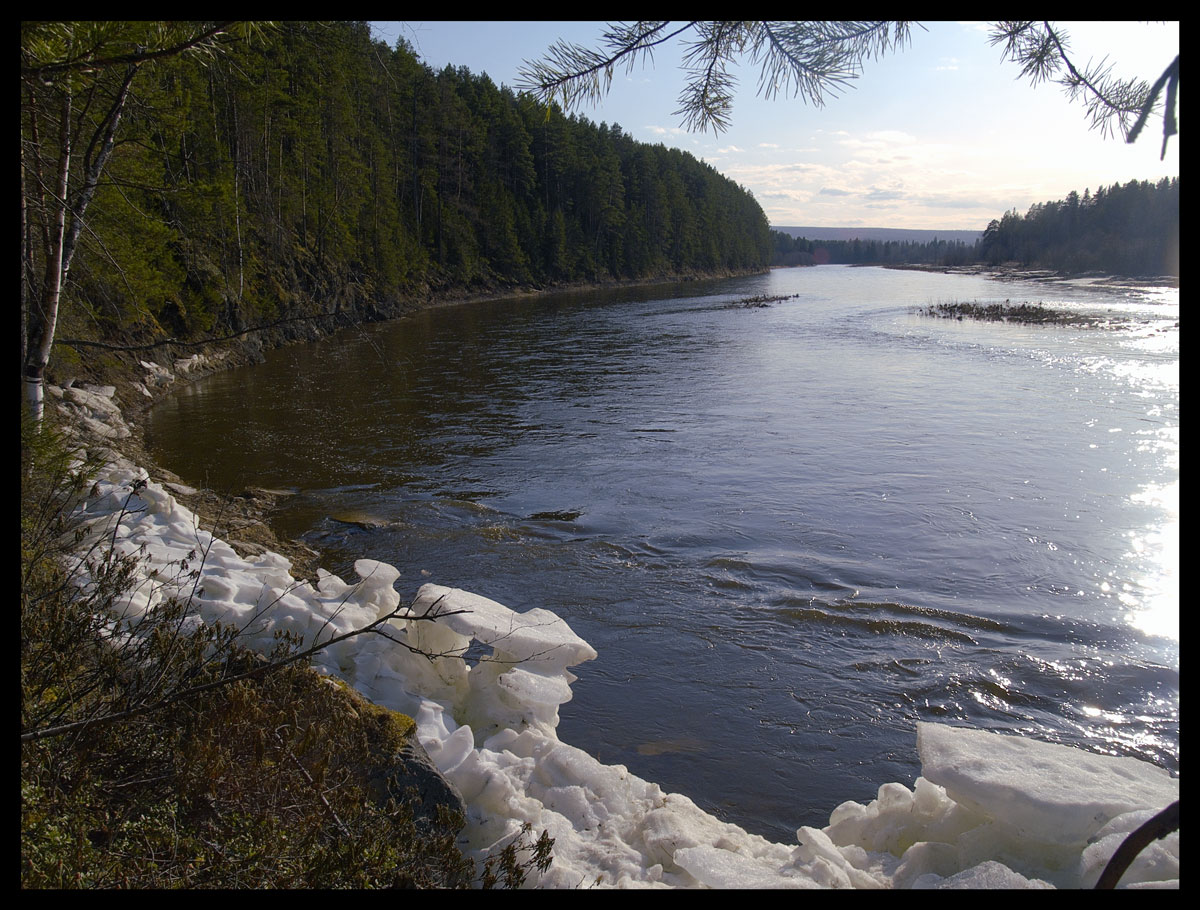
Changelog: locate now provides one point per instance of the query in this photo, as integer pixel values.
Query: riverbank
(989, 811)
(612, 826)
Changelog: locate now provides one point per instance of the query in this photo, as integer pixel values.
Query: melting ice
(988, 810)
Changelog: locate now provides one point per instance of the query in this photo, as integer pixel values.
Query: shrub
(256, 783)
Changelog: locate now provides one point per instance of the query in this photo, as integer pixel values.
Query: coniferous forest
(1120, 230)
(1123, 230)
(315, 170)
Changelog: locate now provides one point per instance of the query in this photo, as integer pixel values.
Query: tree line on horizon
(315, 169)
(1120, 230)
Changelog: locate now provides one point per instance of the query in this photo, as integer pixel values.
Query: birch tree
(76, 79)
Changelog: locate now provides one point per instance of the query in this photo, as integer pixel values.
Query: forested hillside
(1125, 230)
(1121, 230)
(312, 169)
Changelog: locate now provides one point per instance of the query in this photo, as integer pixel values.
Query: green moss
(387, 731)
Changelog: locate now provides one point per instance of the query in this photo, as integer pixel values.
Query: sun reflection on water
(1156, 548)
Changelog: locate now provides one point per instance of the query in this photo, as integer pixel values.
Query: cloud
(875, 194)
(886, 178)
(951, 202)
(880, 140)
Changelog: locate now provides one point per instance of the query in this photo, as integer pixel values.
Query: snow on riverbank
(988, 811)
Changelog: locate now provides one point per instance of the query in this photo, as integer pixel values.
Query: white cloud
(878, 140)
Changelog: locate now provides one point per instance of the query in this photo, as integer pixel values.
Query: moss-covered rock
(397, 767)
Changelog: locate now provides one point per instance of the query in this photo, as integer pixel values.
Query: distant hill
(868, 233)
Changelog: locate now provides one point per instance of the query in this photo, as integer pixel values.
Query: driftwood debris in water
(1024, 313)
(762, 300)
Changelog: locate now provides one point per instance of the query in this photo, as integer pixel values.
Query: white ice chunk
(533, 688)
(1156, 863)
(376, 589)
(451, 752)
(1043, 791)
(986, 876)
(536, 636)
(718, 868)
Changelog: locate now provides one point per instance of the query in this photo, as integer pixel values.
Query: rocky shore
(107, 420)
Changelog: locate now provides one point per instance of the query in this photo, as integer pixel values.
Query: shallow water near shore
(790, 531)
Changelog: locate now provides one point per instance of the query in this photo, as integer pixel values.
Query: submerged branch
(761, 300)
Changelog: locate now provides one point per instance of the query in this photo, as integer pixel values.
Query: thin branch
(81, 343)
(1078, 76)
(136, 58)
(315, 786)
(397, 613)
(567, 65)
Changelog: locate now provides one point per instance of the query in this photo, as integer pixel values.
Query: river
(790, 530)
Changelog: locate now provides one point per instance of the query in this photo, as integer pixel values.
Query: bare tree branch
(397, 613)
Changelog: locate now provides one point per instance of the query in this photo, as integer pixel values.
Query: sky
(944, 134)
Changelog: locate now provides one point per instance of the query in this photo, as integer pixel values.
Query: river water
(790, 531)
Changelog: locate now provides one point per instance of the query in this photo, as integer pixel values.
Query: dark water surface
(789, 531)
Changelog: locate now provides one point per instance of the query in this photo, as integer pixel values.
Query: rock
(363, 520)
(185, 365)
(157, 375)
(398, 767)
(415, 779)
